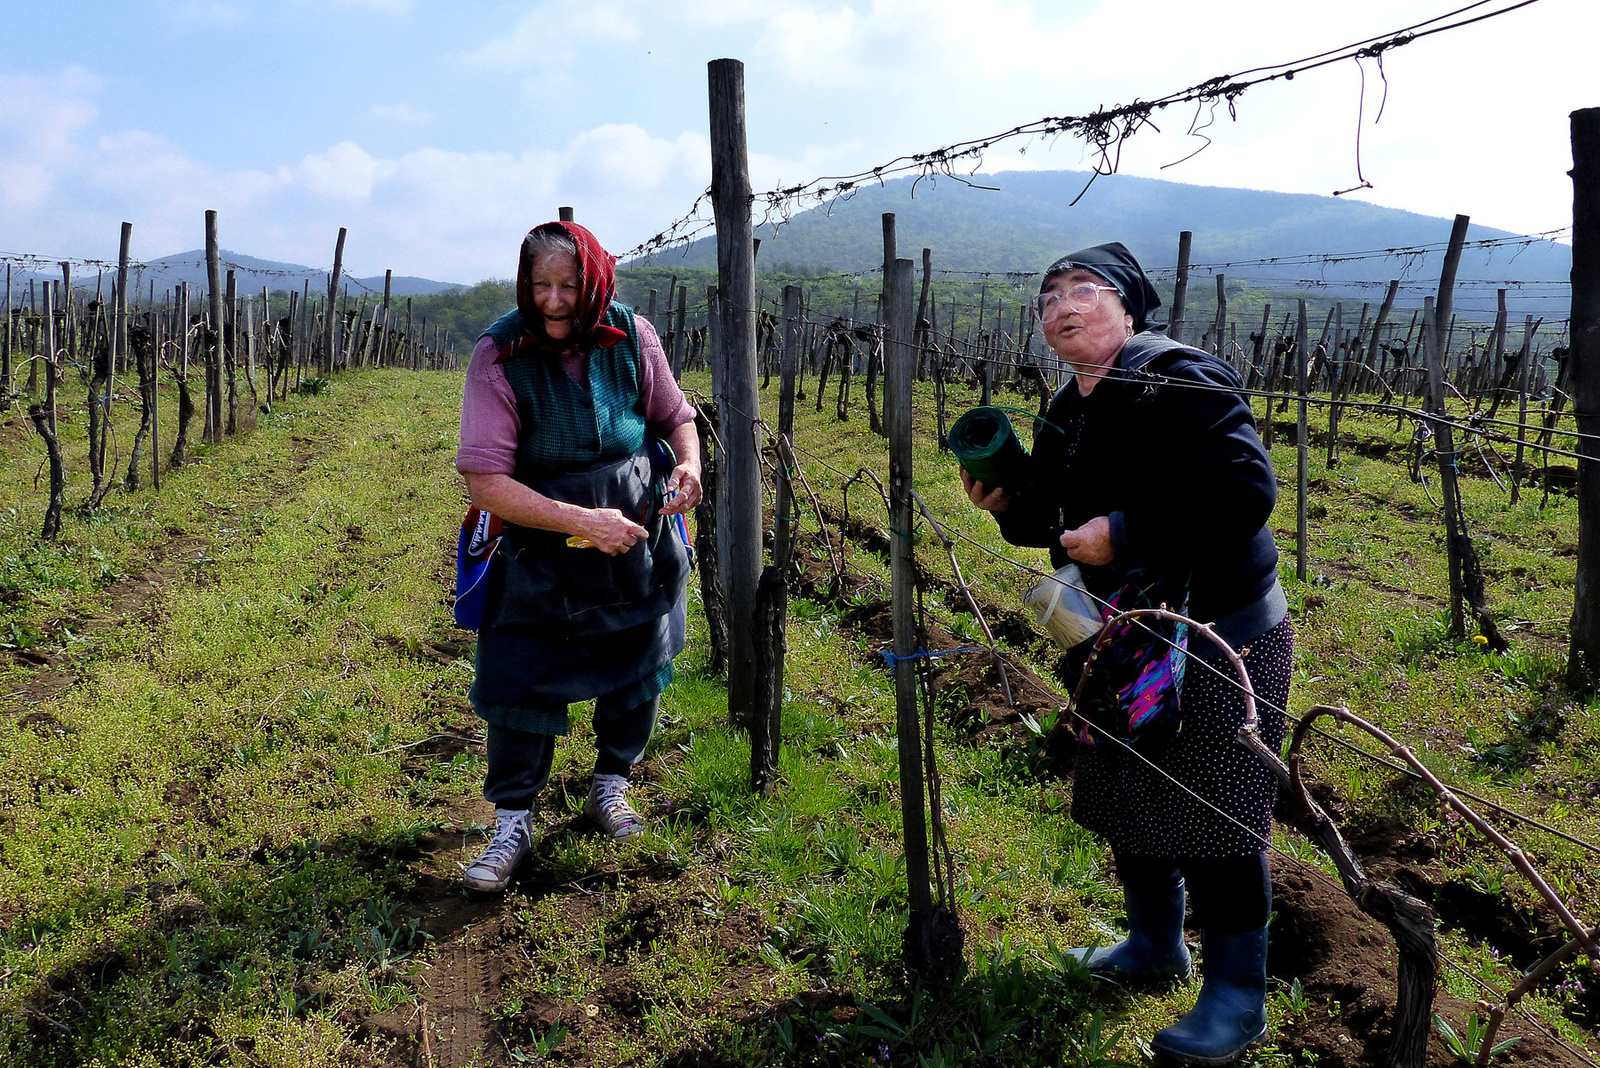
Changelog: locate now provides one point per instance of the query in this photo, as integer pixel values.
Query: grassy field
(239, 773)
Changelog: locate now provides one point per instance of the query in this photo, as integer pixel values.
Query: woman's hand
(685, 482)
(994, 500)
(608, 530)
(1090, 543)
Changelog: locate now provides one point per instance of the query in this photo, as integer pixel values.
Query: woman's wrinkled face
(1092, 338)
(555, 283)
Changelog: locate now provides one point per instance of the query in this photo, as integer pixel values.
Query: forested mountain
(1021, 221)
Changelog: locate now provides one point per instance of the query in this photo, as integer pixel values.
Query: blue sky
(439, 132)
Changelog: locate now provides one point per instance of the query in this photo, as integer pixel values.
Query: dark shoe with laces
(607, 806)
(511, 844)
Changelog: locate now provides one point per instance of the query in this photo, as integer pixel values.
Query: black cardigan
(1179, 471)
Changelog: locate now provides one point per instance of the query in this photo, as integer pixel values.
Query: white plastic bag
(1063, 609)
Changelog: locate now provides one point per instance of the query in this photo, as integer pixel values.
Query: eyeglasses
(1082, 298)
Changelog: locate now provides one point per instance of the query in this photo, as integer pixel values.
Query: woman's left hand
(685, 481)
(1090, 543)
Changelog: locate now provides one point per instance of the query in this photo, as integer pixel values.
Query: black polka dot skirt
(1147, 808)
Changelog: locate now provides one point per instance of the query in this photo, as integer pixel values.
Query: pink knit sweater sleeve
(665, 407)
(489, 423)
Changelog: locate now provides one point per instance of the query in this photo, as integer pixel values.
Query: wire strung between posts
(1104, 130)
(1302, 258)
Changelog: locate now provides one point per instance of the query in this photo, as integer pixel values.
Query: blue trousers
(519, 762)
(1227, 894)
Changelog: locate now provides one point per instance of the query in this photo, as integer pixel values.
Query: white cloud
(345, 172)
(455, 215)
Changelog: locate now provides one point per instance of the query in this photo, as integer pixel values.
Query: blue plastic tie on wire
(890, 660)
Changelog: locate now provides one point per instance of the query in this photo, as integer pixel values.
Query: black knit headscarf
(1113, 262)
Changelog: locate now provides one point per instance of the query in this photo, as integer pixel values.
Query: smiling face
(1092, 339)
(555, 283)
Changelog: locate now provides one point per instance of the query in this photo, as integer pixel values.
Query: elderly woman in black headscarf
(1147, 473)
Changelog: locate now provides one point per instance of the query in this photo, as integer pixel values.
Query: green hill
(1021, 221)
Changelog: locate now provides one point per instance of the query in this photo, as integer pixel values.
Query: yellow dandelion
(1478, 639)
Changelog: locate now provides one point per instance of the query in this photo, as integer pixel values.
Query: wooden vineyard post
(333, 304)
(230, 332)
(1524, 362)
(1219, 347)
(1377, 324)
(382, 356)
(932, 936)
(44, 421)
(1302, 442)
(155, 407)
(119, 352)
(924, 314)
(680, 339)
(772, 593)
(1583, 656)
(1466, 576)
(180, 443)
(5, 349)
(214, 356)
(739, 407)
(1444, 444)
(1180, 288)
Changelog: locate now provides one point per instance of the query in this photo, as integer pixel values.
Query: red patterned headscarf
(597, 285)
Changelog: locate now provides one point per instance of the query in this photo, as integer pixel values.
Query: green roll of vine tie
(987, 445)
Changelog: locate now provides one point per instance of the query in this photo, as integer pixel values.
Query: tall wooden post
(1377, 324)
(772, 595)
(1302, 344)
(1435, 334)
(5, 348)
(44, 421)
(924, 312)
(215, 357)
(119, 339)
(1180, 288)
(333, 304)
(1219, 348)
(680, 336)
(1524, 362)
(932, 938)
(740, 410)
(1583, 660)
(230, 298)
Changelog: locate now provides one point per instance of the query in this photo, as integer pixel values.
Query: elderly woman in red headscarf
(563, 399)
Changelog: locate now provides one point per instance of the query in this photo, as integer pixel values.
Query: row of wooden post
(63, 329)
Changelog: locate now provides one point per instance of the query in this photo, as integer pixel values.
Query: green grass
(214, 852)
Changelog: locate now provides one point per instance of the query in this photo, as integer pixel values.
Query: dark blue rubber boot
(1231, 1011)
(1154, 951)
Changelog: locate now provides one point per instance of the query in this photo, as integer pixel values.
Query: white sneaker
(610, 810)
(512, 842)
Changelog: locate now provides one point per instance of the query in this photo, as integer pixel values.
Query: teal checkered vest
(569, 425)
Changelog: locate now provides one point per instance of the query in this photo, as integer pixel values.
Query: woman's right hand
(609, 530)
(994, 500)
